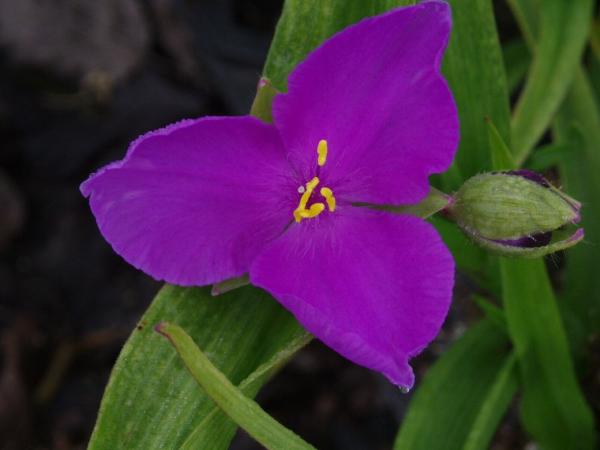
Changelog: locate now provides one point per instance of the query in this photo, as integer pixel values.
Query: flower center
(304, 212)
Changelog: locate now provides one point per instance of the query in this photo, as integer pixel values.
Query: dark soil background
(78, 81)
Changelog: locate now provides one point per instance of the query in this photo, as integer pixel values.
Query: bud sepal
(516, 213)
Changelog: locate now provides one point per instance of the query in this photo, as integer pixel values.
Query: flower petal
(375, 93)
(375, 287)
(194, 203)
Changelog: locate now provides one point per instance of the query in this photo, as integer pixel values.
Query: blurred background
(78, 81)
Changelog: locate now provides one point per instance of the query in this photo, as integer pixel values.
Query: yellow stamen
(310, 187)
(301, 210)
(314, 210)
(322, 152)
(298, 214)
(312, 184)
(329, 198)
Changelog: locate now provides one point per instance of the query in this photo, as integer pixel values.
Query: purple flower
(367, 119)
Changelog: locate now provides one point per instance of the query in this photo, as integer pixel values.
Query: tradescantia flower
(367, 118)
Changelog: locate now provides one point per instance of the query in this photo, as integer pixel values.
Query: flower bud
(516, 213)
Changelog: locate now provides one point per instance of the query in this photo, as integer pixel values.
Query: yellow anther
(301, 211)
(314, 210)
(312, 184)
(322, 151)
(310, 187)
(329, 198)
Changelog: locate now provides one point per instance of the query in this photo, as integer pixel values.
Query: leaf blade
(474, 68)
(501, 156)
(495, 404)
(580, 173)
(244, 411)
(553, 408)
(451, 396)
(150, 401)
(562, 37)
(216, 430)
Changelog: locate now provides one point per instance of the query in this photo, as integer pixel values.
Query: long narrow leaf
(244, 411)
(217, 430)
(563, 33)
(151, 402)
(553, 408)
(494, 406)
(456, 392)
(475, 70)
(501, 156)
(579, 171)
(516, 62)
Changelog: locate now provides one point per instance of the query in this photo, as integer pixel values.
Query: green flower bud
(515, 213)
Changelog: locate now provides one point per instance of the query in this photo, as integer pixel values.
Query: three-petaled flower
(366, 120)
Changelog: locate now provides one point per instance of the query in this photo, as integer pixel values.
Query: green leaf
(492, 312)
(474, 68)
(594, 60)
(262, 104)
(494, 406)
(579, 173)
(553, 409)
(548, 156)
(501, 156)
(151, 401)
(467, 386)
(563, 33)
(526, 13)
(216, 430)
(516, 62)
(244, 411)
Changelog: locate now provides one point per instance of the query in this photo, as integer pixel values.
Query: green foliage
(463, 396)
(494, 405)
(244, 411)
(474, 69)
(216, 430)
(563, 31)
(151, 401)
(501, 156)
(577, 126)
(553, 409)
(516, 62)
